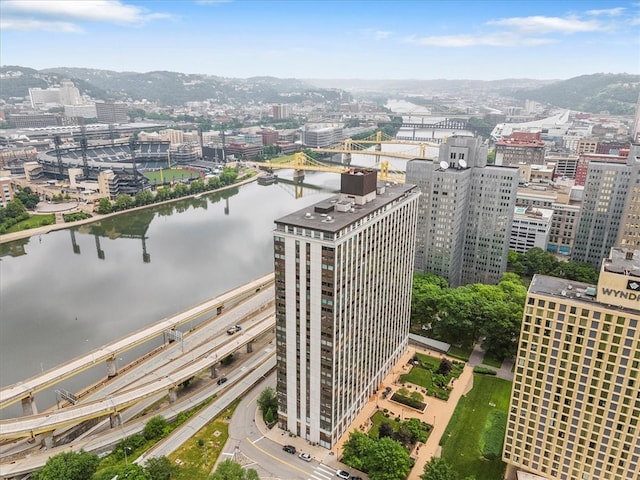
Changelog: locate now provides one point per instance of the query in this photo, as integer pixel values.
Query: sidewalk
(438, 413)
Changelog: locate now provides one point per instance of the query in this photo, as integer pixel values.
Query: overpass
(24, 391)
(25, 427)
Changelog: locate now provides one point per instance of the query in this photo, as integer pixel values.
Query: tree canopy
(230, 470)
(537, 260)
(69, 466)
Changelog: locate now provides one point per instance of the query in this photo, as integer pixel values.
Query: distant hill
(168, 88)
(616, 93)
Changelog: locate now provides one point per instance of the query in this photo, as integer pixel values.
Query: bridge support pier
(115, 420)
(47, 440)
(214, 372)
(298, 176)
(29, 406)
(173, 395)
(112, 367)
(249, 347)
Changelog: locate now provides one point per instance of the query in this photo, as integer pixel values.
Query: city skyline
(484, 40)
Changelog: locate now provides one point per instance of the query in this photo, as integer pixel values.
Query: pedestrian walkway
(438, 413)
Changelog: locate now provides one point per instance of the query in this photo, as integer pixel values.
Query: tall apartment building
(629, 231)
(280, 111)
(466, 212)
(343, 277)
(605, 195)
(575, 404)
(107, 112)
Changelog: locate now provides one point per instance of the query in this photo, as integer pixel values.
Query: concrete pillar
(173, 395)
(47, 440)
(214, 371)
(112, 367)
(29, 406)
(115, 420)
(249, 347)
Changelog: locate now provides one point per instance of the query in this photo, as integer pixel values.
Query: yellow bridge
(301, 162)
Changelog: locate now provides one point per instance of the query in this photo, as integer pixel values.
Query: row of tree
(537, 260)
(146, 197)
(460, 316)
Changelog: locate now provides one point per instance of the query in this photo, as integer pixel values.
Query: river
(70, 291)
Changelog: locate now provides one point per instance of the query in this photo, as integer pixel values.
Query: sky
(375, 39)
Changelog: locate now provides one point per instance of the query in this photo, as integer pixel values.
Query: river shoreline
(31, 232)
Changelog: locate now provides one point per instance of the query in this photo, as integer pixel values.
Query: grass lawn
(202, 450)
(461, 442)
(424, 376)
(33, 221)
(170, 175)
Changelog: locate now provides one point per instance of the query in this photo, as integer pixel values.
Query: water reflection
(56, 304)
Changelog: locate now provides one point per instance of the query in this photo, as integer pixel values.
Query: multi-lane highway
(25, 389)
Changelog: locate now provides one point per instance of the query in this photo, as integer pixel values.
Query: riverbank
(10, 237)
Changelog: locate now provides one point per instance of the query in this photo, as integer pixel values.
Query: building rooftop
(332, 215)
(624, 261)
(562, 288)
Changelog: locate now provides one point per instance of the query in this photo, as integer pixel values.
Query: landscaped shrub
(484, 370)
(410, 402)
(493, 435)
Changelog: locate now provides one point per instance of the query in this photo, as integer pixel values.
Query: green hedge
(493, 435)
(484, 370)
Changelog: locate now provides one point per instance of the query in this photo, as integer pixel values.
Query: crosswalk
(323, 472)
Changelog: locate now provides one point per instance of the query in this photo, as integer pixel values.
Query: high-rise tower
(343, 277)
(605, 194)
(466, 212)
(575, 404)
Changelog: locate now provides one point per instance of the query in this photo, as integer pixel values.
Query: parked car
(305, 456)
(343, 474)
(289, 449)
(221, 380)
(353, 477)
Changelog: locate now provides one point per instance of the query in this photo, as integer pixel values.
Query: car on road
(234, 329)
(353, 477)
(289, 449)
(305, 456)
(221, 380)
(343, 474)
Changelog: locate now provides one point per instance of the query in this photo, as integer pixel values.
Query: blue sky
(482, 40)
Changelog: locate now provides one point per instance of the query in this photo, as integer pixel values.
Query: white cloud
(47, 15)
(539, 24)
(31, 24)
(489, 40)
(609, 12)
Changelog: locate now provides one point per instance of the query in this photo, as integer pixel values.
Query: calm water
(71, 291)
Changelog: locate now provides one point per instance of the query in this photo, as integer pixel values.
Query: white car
(343, 474)
(305, 456)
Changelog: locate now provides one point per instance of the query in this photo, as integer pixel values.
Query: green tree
(105, 206)
(155, 427)
(160, 468)
(15, 209)
(144, 197)
(214, 182)
(27, 197)
(123, 202)
(438, 469)
(180, 190)
(163, 194)
(388, 460)
(268, 404)
(228, 470)
(228, 176)
(417, 430)
(357, 450)
(197, 186)
(69, 466)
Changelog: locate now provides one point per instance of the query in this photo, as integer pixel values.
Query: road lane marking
(278, 459)
(258, 439)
